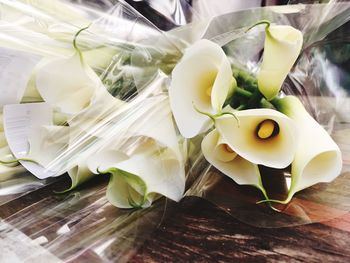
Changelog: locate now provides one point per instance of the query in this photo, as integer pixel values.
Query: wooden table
(193, 230)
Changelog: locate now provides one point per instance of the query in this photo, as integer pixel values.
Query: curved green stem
(214, 116)
(75, 41)
(229, 113)
(204, 113)
(267, 22)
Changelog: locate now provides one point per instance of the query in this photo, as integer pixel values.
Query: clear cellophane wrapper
(133, 59)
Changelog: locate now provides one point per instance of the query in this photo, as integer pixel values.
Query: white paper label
(19, 119)
(16, 69)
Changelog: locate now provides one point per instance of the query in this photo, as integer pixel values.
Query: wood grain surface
(196, 230)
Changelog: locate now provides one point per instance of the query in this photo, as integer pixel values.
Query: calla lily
(318, 158)
(67, 84)
(47, 142)
(281, 49)
(202, 79)
(136, 179)
(218, 153)
(261, 136)
(148, 163)
(79, 174)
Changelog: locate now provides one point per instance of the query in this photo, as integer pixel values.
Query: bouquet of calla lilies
(253, 124)
(131, 110)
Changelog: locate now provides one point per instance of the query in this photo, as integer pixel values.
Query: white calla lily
(318, 158)
(136, 179)
(47, 143)
(261, 136)
(67, 83)
(79, 174)
(146, 163)
(202, 79)
(281, 49)
(218, 153)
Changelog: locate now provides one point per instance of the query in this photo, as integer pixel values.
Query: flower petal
(318, 158)
(139, 176)
(19, 122)
(46, 142)
(281, 49)
(146, 157)
(203, 78)
(79, 174)
(240, 170)
(276, 152)
(68, 84)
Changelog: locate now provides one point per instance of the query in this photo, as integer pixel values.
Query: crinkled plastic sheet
(320, 78)
(82, 223)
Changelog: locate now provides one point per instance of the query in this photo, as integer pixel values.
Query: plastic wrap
(122, 110)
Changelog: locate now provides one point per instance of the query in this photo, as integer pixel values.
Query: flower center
(267, 129)
(208, 91)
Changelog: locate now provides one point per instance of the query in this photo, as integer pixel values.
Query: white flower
(220, 155)
(202, 79)
(261, 136)
(68, 84)
(281, 49)
(137, 179)
(145, 161)
(318, 158)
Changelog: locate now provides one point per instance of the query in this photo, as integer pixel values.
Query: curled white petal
(79, 174)
(145, 163)
(203, 78)
(277, 151)
(221, 151)
(240, 170)
(149, 169)
(281, 49)
(318, 158)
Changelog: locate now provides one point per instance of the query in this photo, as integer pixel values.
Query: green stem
(242, 92)
(267, 31)
(204, 113)
(75, 41)
(214, 116)
(267, 22)
(255, 100)
(266, 104)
